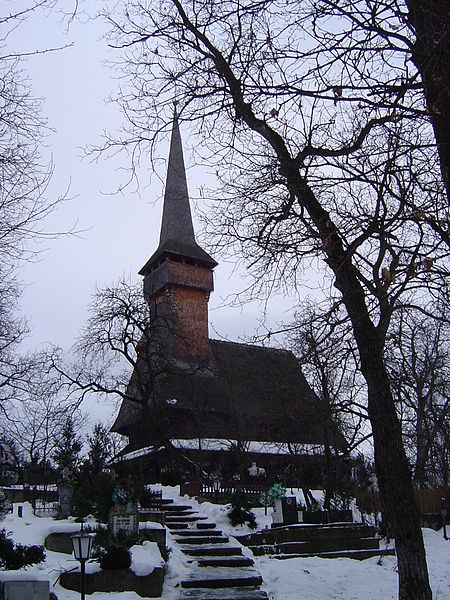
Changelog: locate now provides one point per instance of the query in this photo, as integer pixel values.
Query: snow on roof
(140, 452)
(217, 444)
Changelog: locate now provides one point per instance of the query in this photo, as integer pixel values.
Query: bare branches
(316, 121)
(24, 206)
(418, 362)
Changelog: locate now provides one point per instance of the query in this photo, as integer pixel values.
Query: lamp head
(82, 544)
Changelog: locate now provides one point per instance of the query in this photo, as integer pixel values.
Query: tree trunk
(329, 479)
(390, 459)
(421, 444)
(394, 478)
(431, 56)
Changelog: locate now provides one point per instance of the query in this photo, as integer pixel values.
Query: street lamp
(82, 546)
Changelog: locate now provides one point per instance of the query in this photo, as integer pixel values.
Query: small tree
(94, 485)
(100, 448)
(67, 453)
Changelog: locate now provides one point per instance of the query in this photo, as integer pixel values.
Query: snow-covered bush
(15, 556)
(115, 557)
(5, 505)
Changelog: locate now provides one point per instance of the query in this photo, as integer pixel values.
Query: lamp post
(82, 546)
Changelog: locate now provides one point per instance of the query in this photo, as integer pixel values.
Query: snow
(312, 578)
(145, 558)
(150, 525)
(255, 447)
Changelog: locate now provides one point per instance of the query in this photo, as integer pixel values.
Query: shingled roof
(244, 391)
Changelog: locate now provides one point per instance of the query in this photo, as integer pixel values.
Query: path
(218, 569)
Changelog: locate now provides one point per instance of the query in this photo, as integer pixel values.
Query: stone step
(197, 532)
(314, 547)
(224, 550)
(166, 501)
(203, 539)
(184, 518)
(355, 554)
(222, 577)
(304, 533)
(226, 561)
(177, 526)
(206, 525)
(224, 594)
(170, 508)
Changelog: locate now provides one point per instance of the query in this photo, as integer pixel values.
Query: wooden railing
(46, 510)
(207, 489)
(151, 501)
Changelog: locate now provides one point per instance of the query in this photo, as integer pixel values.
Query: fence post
(444, 519)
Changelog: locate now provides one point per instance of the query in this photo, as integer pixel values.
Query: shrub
(93, 495)
(15, 556)
(115, 557)
(240, 512)
(104, 538)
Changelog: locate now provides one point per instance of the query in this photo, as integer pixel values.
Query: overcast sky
(120, 232)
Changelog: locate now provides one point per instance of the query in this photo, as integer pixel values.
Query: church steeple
(177, 235)
(176, 220)
(178, 277)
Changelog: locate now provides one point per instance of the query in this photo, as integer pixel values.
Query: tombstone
(285, 511)
(65, 491)
(289, 510)
(277, 514)
(124, 517)
(31, 590)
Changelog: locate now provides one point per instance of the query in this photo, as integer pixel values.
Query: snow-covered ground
(312, 578)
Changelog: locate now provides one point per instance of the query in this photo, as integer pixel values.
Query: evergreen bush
(93, 494)
(15, 556)
(104, 537)
(115, 557)
(240, 512)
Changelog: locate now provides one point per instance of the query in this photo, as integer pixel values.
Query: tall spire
(176, 219)
(177, 235)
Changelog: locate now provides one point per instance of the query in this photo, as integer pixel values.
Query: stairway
(335, 540)
(219, 571)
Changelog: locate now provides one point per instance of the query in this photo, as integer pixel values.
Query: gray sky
(120, 231)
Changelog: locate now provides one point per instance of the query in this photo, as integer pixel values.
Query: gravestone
(289, 510)
(285, 511)
(124, 518)
(65, 491)
(29, 590)
(277, 514)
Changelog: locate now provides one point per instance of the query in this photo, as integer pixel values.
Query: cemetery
(272, 395)
(195, 548)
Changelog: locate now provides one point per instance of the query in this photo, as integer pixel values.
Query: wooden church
(193, 403)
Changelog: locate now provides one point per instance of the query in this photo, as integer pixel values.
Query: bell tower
(178, 278)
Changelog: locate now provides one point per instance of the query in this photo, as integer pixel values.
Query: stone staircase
(218, 569)
(335, 540)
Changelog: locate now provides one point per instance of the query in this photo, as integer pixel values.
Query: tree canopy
(320, 119)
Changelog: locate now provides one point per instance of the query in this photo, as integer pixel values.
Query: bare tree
(317, 167)
(36, 426)
(24, 205)
(326, 352)
(418, 357)
(119, 332)
(108, 347)
(34, 414)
